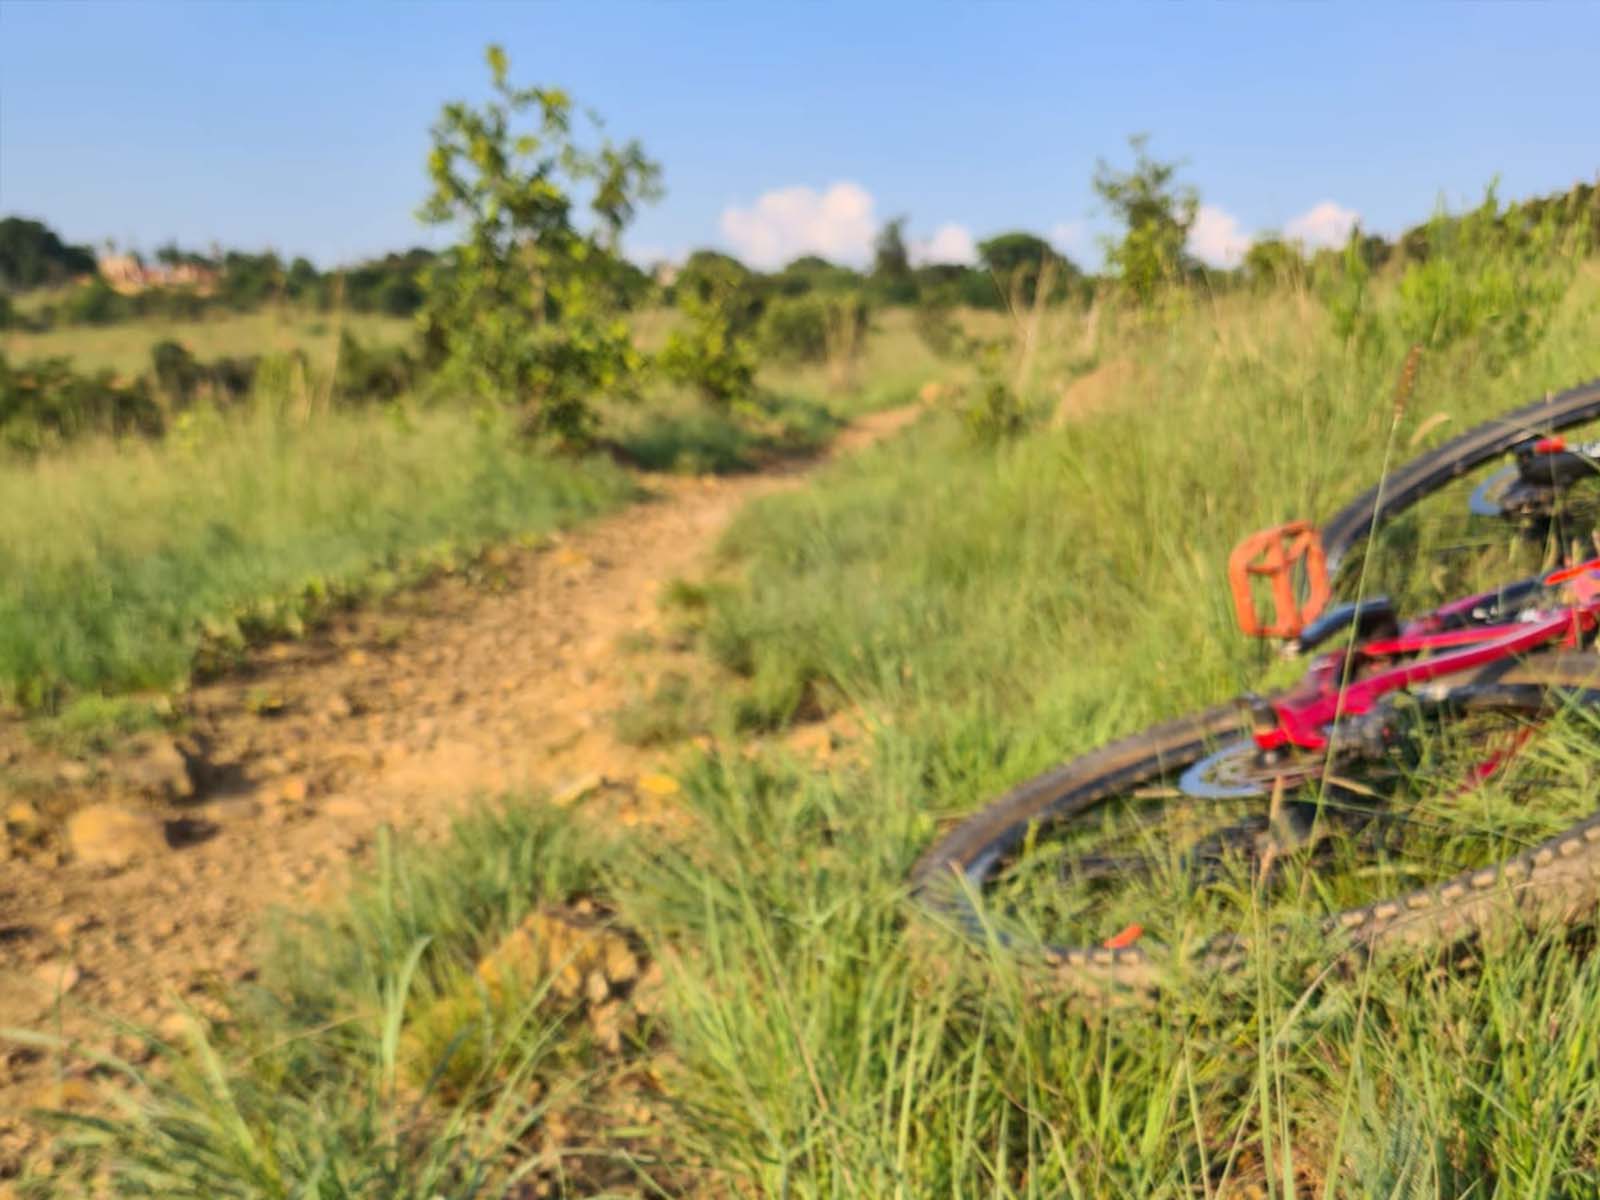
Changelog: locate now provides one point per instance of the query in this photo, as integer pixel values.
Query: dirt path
(292, 766)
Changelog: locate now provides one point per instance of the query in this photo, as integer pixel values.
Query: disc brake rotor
(1236, 770)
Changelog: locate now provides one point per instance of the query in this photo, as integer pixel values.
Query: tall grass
(125, 347)
(115, 561)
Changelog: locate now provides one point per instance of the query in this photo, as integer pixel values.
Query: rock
(620, 964)
(110, 835)
(291, 789)
(595, 987)
(610, 1023)
(647, 993)
(659, 785)
(66, 927)
(58, 977)
(74, 774)
(22, 817)
(577, 788)
(230, 810)
(160, 770)
(74, 1092)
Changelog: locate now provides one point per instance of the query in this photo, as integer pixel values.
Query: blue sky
(794, 127)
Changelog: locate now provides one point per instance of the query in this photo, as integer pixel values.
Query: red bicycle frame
(1338, 686)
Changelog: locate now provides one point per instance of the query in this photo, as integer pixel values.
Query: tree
(1271, 262)
(32, 255)
(515, 311)
(1016, 260)
(1156, 215)
(891, 264)
(712, 351)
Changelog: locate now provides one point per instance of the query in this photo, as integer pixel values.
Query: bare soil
(288, 768)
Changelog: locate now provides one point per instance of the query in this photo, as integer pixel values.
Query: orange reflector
(1124, 939)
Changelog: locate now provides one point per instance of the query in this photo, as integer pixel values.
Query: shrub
(710, 352)
(182, 379)
(44, 402)
(813, 328)
(372, 372)
(1487, 277)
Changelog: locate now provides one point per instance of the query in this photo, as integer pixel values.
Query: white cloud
(950, 243)
(1072, 237)
(1216, 238)
(785, 223)
(1323, 225)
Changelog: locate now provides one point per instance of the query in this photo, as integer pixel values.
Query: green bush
(372, 372)
(710, 352)
(44, 403)
(1487, 277)
(813, 328)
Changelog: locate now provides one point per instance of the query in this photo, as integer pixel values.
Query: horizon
(304, 130)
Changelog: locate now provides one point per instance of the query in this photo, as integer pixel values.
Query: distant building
(126, 274)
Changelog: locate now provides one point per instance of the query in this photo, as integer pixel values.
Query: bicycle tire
(1558, 878)
(1428, 472)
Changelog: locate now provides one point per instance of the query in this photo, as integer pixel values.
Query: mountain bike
(1428, 775)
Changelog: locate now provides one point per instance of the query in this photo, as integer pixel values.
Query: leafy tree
(890, 260)
(515, 312)
(32, 255)
(891, 264)
(1009, 252)
(1272, 262)
(1156, 214)
(1015, 263)
(811, 273)
(713, 275)
(712, 351)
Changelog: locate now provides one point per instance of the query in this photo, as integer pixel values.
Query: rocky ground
(132, 881)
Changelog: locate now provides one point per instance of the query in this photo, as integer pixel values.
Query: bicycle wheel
(1473, 512)
(1416, 828)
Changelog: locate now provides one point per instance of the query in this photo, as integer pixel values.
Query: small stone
(112, 836)
(72, 1092)
(174, 1026)
(74, 773)
(577, 788)
(595, 987)
(620, 964)
(231, 810)
(648, 992)
(292, 789)
(22, 816)
(57, 978)
(659, 785)
(610, 1022)
(73, 923)
(345, 807)
(160, 770)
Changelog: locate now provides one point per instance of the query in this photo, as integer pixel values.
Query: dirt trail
(393, 717)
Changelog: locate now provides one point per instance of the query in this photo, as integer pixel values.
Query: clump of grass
(92, 724)
(368, 1064)
(116, 562)
(675, 709)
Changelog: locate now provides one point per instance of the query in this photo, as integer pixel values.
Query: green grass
(125, 347)
(988, 611)
(116, 561)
